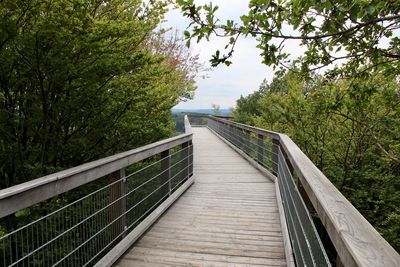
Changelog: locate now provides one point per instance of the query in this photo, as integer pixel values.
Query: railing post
(185, 161)
(231, 134)
(166, 172)
(236, 136)
(274, 156)
(118, 209)
(190, 158)
(246, 142)
(260, 154)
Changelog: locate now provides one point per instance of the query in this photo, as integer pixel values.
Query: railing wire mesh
(307, 246)
(81, 232)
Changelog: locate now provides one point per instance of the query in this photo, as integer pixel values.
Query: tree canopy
(360, 34)
(349, 129)
(81, 79)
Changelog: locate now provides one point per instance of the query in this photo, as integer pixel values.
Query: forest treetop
(363, 34)
(83, 79)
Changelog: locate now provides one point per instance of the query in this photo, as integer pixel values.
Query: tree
(349, 129)
(359, 33)
(216, 109)
(82, 79)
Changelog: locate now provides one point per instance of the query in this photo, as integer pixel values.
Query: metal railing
(302, 184)
(198, 120)
(124, 190)
(306, 244)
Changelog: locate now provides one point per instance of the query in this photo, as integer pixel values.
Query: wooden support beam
(117, 210)
(260, 154)
(166, 172)
(184, 155)
(274, 156)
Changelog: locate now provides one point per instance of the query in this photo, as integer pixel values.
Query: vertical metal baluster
(93, 229)
(10, 249)
(57, 241)
(274, 156)
(101, 225)
(28, 242)
(66, 241)
(90, 232)
(70, 235)
(165, 171)
(4, 251)
(42, 241)
(81, 235)
(84, 226)
(98, 207)
(261, 148)
(53, 226)
(96, 197)
(63, 229)
(84, 233)
(34, 236)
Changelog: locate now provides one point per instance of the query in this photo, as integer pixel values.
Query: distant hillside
(224, 112)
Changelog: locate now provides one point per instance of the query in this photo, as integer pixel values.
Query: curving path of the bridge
(229, 217)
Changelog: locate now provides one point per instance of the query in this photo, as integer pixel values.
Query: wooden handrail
(24, 195)
(355, 239)
(270, 134)
(188, 127)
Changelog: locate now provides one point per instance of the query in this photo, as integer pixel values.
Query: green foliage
(82, 79)
(216, 110)
(364, 33)
(349, 129)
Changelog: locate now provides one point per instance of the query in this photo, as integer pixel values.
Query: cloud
(225, 84)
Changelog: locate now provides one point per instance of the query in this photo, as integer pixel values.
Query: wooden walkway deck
(229, 217)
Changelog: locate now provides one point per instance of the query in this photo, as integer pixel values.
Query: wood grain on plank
(229, 217)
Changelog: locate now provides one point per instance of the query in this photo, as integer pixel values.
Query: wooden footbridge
(221, 194)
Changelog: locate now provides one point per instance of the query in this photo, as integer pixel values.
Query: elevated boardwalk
(153, 207)
(229, 217)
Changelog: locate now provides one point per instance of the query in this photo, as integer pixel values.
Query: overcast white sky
(224, 85)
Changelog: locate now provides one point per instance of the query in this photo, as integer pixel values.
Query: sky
(224, 85)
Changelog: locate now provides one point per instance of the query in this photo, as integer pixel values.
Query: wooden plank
(208, 257)
(169, 242)
(207, 229)
(249, 159)
(212, 248)
(179, 238)
(199, 259)
(229, 215)
(187, 235)
(204, 234)
(228, 218)
(243, 226)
